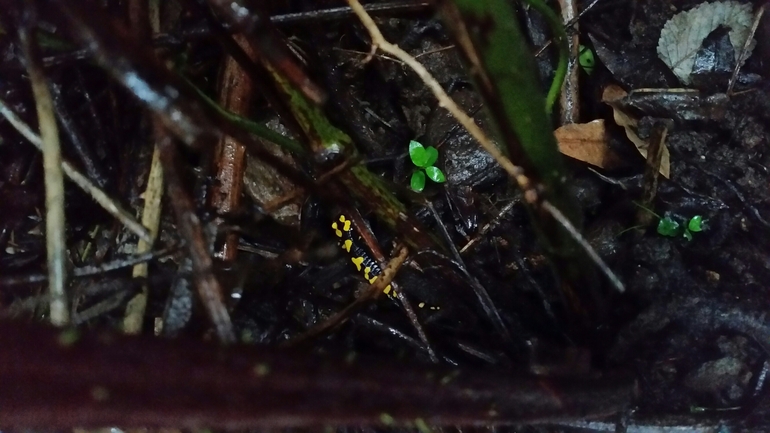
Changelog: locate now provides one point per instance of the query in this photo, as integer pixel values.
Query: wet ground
(691, 326)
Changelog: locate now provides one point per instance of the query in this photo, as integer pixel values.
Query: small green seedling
(668, 227)
(423, 158)
(586, 59)
(696, 224)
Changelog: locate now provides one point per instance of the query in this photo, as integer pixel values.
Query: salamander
(351, 242)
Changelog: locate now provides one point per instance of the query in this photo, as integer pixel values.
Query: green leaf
(696, 224)
(668, 227)
(251, 126)
(432, 153)
(413, 145)
(418, 181)
(417, 153)
(435, 174)
(586, 59)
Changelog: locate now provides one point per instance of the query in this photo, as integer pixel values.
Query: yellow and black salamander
(351, 242)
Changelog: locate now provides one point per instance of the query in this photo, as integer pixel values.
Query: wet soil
(691, 326)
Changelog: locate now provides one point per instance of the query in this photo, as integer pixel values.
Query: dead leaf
(682, 36)
(587, 142)
(611, 96)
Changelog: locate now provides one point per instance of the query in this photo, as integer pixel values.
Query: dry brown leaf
(611, 96)
(587, 142)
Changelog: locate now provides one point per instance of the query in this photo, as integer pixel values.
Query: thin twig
(478, 289)
(409, 311)
(745, 50)
(99, 196)
(652, 171)
(56, 247)
(569, 26)
(487, 227)
(135, 308)
(567, 224)
(191, 230)
(570, 100)
(374, 290)
(87, 271)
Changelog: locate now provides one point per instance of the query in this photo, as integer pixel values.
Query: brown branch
(56, 379)
(209, 289)
(235, 95)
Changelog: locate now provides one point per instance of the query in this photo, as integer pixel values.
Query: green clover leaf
(696, 224)
(668, 227)
(414, 145)
(418, 154)
(418, 181)
(432, 154)
(435, 174)
(424, 158)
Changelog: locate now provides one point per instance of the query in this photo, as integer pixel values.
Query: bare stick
(135, 308)
(570, 104)
(567, 224)
(87, 271)
(153, 193)
(99, 196)
(191, 230)
(56, 247)
(745, 50)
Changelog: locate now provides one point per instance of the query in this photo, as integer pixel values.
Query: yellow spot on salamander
(337, 230)
(387, 290)
(345, 223)
(367, 270)
(421, 305)
(347, 245)
(357, 261)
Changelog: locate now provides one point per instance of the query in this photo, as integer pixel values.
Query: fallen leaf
(683, 35)
(587, 142)
(612, 96)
